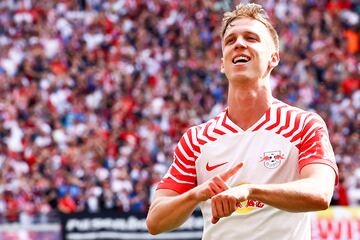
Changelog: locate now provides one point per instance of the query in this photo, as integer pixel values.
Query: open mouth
(240, 59)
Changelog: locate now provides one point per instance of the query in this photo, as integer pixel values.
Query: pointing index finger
(231, 172)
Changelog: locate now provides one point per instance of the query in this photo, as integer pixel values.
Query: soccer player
(258, 167)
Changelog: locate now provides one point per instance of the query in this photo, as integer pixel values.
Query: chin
(242, 78)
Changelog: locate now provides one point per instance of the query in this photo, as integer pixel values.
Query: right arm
(170, 209)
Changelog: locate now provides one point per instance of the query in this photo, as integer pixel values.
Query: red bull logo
(249, 206)
(272, 159)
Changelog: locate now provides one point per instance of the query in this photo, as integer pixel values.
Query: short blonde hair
(254, 11)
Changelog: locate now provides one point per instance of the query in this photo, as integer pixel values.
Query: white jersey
(274, 150)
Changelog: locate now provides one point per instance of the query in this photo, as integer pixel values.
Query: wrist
(251, 191)
(192, 196)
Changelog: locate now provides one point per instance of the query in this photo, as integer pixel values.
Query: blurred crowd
(95, 94)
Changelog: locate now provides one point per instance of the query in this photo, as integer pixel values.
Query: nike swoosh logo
(210, 168)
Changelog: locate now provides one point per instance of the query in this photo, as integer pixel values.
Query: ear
(222, 70)
(275, 58)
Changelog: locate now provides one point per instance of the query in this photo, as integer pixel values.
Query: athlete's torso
(273, 150)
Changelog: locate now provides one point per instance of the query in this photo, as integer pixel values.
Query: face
(248, 51)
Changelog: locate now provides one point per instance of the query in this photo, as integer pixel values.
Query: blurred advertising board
(114, 225)
(16, 231)
(336, 223)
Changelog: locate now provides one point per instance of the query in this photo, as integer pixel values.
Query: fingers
(216, 185)
(214, 210)
(229, 173)
(214, 220)
(211, 188)
(222, 206)
(220, 183)
(218, 208)
(212, 192)
(215, 188)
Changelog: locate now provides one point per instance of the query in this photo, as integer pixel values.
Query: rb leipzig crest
(272, 159)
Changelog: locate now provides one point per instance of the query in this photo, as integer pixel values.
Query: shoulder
(209, 131)
(291, 122)
(311, 118)
(207, 127)
(305, 116)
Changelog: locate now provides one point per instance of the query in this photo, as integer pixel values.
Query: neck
(247, 103)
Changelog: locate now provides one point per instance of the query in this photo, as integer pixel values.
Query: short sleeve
(315, 146)
(181, 175)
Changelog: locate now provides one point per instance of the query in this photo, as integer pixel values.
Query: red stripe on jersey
(186, 148)
(183, 168)
(183, 158)
(316, 148)
(216, 130)
(308, 149)
(200, 141)
(287, 121)
(278, 116)
(307, 137)
(172, 184)
(195, 147)
(206, 132)
(267, 118)
(224, 124)
(178, 175)
(320, 147)
(308, 127)
(305, 130)
(296, 125)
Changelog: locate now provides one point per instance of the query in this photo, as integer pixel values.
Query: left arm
(312, 192)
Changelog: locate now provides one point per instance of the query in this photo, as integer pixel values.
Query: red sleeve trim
(172, 185)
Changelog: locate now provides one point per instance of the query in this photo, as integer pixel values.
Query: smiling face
(249, 52)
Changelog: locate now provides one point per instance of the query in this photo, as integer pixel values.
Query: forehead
(247, 25)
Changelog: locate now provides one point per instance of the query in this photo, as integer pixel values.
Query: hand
(226, 202)
(215, 185)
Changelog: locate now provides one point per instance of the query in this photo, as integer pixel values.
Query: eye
(229, 40)
(252, 38)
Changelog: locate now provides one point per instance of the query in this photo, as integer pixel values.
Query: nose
(240, 43)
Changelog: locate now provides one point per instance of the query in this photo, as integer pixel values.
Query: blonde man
(258, 167)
